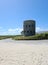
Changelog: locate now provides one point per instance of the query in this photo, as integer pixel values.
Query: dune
(23, 52)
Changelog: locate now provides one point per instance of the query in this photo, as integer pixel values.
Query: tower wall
(29, 27)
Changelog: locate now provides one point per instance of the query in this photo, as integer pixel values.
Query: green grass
(5, 37)
(20, 37)
(35, 37)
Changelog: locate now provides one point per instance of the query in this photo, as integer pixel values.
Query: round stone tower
(29, 27)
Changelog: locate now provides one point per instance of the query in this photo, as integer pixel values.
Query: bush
(35, 37)
(20, 37)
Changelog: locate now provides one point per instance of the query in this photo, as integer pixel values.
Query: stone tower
(29, 27)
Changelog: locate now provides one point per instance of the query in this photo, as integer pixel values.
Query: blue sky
(14, 12)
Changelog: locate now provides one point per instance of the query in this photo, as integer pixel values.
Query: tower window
(26, 25)
(29, 25)
(27, 31)
(32, 25)
(30, 31)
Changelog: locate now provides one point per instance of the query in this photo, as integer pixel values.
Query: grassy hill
(35, 37)
(40, 36)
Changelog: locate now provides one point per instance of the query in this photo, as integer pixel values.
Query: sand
(23, 52)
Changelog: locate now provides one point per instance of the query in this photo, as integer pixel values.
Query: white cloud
(11, 31)
(38, 29)
(16, 31)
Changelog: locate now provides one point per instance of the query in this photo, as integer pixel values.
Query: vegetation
(5, 37)
(35, 37)
(21, 37)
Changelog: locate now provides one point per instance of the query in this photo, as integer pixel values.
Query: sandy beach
(23, 52)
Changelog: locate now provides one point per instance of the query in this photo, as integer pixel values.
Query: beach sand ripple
(23, 54)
